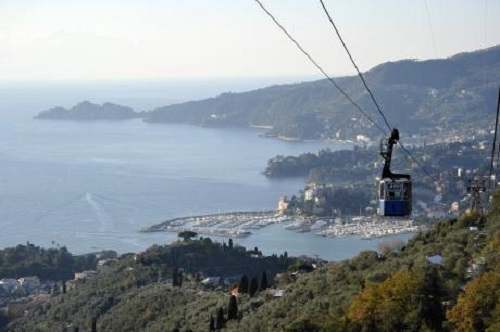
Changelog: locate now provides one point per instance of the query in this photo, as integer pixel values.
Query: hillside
(444, 279)
(416, 96)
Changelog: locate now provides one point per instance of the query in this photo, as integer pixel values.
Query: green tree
(180, 279)
(92, 324)
(431, 298)
(243, 284)
(254, 287)
(187, 235)
(55, 289)
(219, 320)
(175, 277)
(211, 326)
(232, 308)
(263, 281)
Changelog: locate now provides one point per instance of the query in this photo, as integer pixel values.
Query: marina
(234, 225)
(241, 224)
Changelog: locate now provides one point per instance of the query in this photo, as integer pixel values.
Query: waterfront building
(283, 205)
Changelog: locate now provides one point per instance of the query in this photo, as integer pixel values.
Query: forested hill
(415, 95)
(443, 279)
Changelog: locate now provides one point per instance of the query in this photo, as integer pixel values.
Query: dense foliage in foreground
(396, 289)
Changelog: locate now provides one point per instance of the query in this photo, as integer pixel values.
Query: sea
(92, 186)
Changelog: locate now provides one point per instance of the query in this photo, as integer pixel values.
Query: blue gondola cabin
(395, 197)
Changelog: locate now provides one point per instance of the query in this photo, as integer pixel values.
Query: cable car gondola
(395, 192)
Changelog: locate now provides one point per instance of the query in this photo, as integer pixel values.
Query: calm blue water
(94, 185)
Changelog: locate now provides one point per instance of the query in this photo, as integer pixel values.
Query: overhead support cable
(367, 88)
(355, 66)
(331, 80)
(429, 23)
(417, 162)
(338, 87)
(494, 142)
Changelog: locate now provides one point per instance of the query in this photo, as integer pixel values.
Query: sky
(99, 40)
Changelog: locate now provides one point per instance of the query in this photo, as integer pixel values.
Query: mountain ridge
(418, 97)
(425, 93)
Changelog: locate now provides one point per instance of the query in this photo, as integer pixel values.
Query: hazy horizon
(142, 95)
(164, 40)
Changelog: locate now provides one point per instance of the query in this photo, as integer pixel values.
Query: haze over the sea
(116, 40)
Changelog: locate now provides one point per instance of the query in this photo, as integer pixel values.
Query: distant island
(90, 111)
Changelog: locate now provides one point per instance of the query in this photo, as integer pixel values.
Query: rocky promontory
(90, 111)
